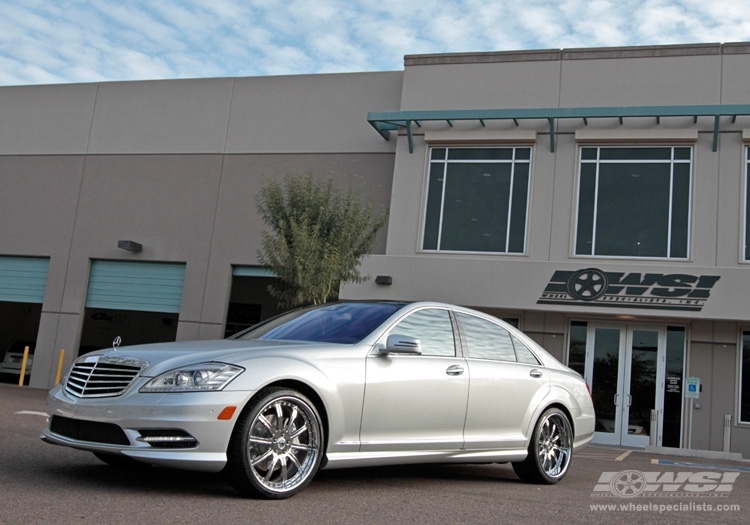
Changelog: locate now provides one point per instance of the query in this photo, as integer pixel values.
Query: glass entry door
(625, 367)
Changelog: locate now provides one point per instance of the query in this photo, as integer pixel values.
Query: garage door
(23, 279)
(252, 271)
(139, 286)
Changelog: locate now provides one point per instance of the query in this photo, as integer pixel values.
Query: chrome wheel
(550, 450)
(554, 445)
(278, 447)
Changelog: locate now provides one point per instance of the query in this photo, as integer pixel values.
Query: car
(13, 360)
(343, 384)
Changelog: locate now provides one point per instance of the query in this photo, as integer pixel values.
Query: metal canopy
(387, 121)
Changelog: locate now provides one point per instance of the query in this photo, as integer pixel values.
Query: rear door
(507, 385)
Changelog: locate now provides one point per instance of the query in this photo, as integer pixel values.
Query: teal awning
(385, 122)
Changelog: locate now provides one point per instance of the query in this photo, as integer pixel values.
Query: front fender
(339, 383)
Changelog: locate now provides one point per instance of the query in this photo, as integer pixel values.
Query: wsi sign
(634, 483)
(595, 287)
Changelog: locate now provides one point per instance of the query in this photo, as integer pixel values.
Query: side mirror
(401, 344)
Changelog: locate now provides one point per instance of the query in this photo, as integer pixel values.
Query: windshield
(330, 323)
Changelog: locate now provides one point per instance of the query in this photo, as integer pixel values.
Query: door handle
(535, 373)
(630, 400)
(455, 370)
(617, 398)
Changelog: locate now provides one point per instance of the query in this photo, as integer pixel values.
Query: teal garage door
(23, 279)
(139, 286)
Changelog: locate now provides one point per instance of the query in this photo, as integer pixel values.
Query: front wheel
(550, 449)
(277, 445)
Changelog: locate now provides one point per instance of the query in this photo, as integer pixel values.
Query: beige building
(597, 198)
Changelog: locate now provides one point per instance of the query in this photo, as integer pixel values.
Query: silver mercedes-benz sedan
(344, 384)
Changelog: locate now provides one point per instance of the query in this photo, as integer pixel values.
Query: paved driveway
(42, 483)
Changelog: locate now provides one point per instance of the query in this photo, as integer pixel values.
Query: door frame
(624, 375)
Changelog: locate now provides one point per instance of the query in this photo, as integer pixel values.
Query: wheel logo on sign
(588, 284)
(628, 483)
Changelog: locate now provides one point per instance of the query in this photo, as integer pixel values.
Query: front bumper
(200, 439)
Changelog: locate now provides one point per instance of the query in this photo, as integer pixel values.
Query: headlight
(195, 378)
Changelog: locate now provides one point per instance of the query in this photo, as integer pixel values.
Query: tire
(276, 446)
(550, 450)
(121, 462)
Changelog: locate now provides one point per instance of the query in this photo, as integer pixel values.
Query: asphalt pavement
(43, 483)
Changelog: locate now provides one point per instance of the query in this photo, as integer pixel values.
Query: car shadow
(165, 481)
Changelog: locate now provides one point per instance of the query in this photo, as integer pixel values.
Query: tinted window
(523, 353)
(486, 340)
(332, 323)
(745, 379)
(477, 200)
(433, 328)
(577, 346)
(746, 247)
(634, 202)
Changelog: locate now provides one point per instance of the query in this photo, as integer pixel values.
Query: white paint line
(32, 413)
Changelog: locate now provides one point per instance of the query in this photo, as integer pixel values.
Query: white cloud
(87, 40)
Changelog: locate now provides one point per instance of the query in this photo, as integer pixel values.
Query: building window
(577, 346)
(745, 379)
(477, 200)
(747, 205)
(634, 202)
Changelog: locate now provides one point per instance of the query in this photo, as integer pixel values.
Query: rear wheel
(276, 446)
(550, 449)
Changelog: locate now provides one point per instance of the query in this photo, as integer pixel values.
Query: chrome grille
(102, 376)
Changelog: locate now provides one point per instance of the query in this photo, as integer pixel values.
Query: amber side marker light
(227, 413)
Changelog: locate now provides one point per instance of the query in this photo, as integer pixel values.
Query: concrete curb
(693, 453)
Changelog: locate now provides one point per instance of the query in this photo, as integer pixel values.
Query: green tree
(318, 235)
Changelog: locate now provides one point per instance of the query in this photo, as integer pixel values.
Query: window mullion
(596, 203)
(671, 199)
(442, 201)
(510, 202)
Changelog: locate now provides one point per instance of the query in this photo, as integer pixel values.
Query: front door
(625, 368)
(417, 402)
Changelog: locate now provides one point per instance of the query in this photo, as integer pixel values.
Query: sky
(65, 41)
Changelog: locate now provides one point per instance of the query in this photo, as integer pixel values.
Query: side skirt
(372, 459)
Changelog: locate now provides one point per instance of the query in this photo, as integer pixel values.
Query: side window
(524, 354)
(433, 328)
(486, 340)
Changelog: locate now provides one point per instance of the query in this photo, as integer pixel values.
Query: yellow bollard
(60, 366)
(23, 365)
